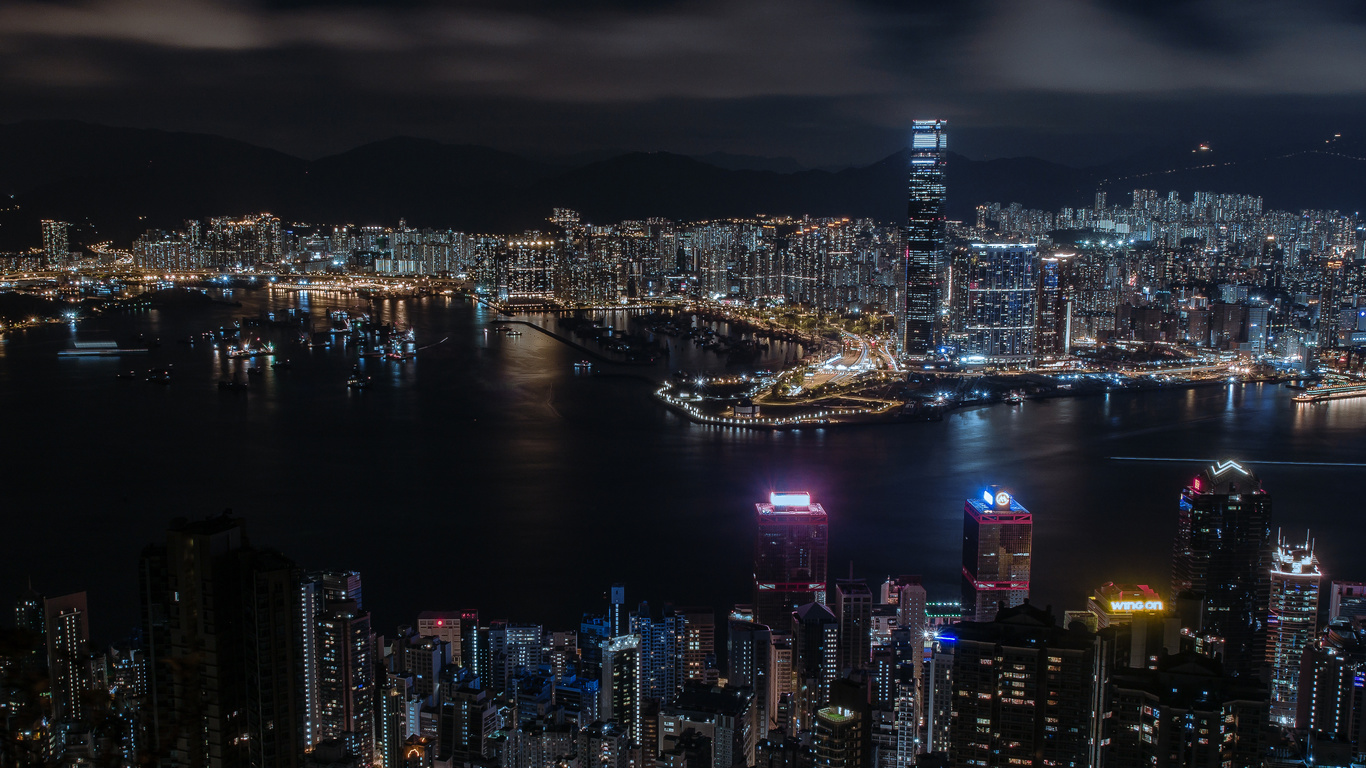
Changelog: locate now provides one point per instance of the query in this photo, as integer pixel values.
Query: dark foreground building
(1023, 691)
(220, 622)
(1185, 713)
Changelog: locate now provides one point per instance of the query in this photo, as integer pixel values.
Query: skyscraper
(1223, 559)
(925, 235)
(790, 556)
(1292, 623)
(621, 677)
(346, 677)
(998, 539)
(996, 299)
(67, 629)
(853, 610)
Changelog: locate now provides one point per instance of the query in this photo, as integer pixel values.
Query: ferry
(1336, 391)
(101, 348)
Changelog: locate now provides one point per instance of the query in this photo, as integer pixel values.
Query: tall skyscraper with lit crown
(790, 556)
(925, 235)
(998, 541)
(1292, 622)
(1223, 558)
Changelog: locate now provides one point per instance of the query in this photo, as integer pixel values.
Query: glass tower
(925, 233)
(1292, 623)
(1223, 558)
(997, 300)
(998, 539)
(790, 557)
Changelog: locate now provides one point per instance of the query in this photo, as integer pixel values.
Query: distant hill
(117, 182)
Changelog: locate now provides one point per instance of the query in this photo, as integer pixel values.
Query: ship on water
(99, 347)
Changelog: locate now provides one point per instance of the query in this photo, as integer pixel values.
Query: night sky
(827, 82)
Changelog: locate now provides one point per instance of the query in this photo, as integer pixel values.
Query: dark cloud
(827, 81)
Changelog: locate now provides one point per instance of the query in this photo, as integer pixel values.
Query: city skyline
(682, 384)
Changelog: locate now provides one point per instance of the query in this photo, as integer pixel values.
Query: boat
(514, 333)
(280, 364)
(1015, 398)
(232, 385)
(103, 348)
(255, 370)
(159, 375)
(358, 382)
(126, 375)
(583, 365)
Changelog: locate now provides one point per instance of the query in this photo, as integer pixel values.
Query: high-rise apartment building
(620, 690)
(346, 677)
(697, 646)
(998, 539)
(926, 222)
(1223, 559)
(1331, 705)
(790, 556)
(66, 623)
(56, 246)
(1185, 712)
(1292, 623)
(1024, 691)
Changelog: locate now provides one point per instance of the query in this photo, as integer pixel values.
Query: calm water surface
(489, 474)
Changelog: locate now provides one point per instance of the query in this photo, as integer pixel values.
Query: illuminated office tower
(996, 299)
(1223, 559)
(790, 556)
(67, 630)
(660, 655)
(1055, 305)
(55, 243)
(998, 538)
(1292, 623)
(925, 235)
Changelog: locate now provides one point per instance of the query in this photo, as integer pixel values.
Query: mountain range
(115, 183)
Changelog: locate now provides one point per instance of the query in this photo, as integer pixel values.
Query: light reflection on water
(524, 489)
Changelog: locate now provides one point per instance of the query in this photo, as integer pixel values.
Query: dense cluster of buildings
(1013, 287)
(245, 658)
